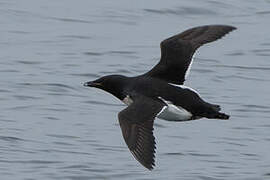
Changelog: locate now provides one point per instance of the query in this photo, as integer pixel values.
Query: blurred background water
(51, 127)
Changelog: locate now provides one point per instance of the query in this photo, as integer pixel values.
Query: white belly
(170, 112)
(174, 113)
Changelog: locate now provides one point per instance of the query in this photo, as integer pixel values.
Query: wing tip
(233, 28)
(147, 164)
(212, 33)
(150, 166)
(230, 28)
(226, 28)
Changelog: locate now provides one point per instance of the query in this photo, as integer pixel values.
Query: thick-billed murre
(160, 92)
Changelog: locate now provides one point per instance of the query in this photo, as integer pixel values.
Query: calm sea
(51, 127)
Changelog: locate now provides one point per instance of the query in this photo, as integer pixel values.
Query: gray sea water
(51, 127)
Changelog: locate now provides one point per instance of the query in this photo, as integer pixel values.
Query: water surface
(51, 127)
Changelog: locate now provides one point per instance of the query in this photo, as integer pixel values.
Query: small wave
(236, 54)
(46, 84)
(8, 120)
(225, 167)
(4, 91)
(261, 52)
(65, 151)
(9, 70)
(74, 167)
(62, 136)
(202, 155)
(91, 75)
(203, 71)
(243, 67)
(121, 52)
(174, 154)
(93, 53)
(30, 162)
(256, 106)
(28, 62)
(56, 109)
(19, 32)
(22, 107)
(219, 161)
(76, 37)
(100, 147)
(242, 77)
(263, 12)
(209, 178)
(101, 103)
(249, 154)
(265, 44)
(199, 59)
(243, 128)
(71, 20)
(11, 138)
(182, 11)
(236, 144)
(52, 118)
(25, 97)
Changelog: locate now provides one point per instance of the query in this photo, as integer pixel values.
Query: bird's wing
(136, 122)
(177, 51)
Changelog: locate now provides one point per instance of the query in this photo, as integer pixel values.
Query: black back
(155, 88)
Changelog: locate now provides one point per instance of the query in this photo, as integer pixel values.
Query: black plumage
(155, 92)
(177, 51)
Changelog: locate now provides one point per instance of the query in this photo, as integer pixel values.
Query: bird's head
(113, 84)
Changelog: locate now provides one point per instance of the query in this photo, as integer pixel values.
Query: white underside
(170, 112)
(174, 113)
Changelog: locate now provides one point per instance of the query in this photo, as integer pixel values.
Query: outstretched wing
(136, 122)
(177, 51)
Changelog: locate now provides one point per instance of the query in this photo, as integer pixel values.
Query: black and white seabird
(160, 92)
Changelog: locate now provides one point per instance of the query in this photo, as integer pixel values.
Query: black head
(113, 84)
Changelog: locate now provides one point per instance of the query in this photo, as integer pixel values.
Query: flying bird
(160, 92)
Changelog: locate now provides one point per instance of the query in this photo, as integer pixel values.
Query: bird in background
(160, 92)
